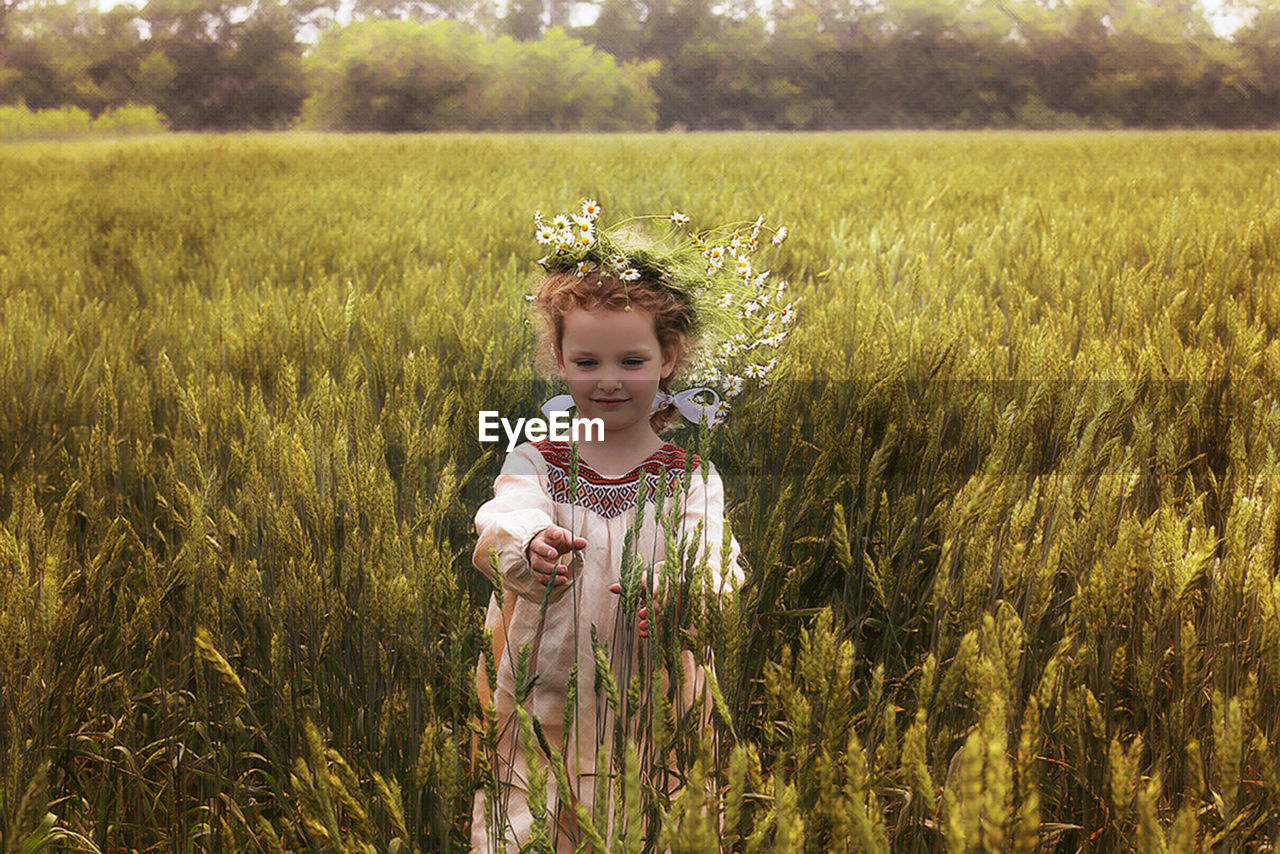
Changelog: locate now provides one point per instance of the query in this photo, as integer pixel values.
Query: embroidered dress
(532, 492)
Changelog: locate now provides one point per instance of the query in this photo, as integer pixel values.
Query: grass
(1009, 510)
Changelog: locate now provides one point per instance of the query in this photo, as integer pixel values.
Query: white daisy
(630, 274)
(590, 208)
(585, 267)
(546, 234)
(679, 218)
(780, 236)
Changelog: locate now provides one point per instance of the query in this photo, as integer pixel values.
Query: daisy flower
(586, 238)
(780, 236)
(619, 262)
(744, 267)
(716, 257)
(546, 234)
(679, 218)
(561, 222)
(584, 267)
(630, 274)
(590, 208)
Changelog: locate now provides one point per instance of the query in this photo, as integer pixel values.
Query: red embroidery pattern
(612, 496)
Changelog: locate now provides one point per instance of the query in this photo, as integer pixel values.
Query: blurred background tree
(612, 64)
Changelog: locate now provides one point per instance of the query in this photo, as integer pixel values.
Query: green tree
(1258, 42)
(71, 53)
(618, 29)
(524, 20)
(561, 83)
(395, 75)
(446, 75)
(236, 63)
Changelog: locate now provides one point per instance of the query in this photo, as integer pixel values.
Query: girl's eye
(633, 363)
(585, 363)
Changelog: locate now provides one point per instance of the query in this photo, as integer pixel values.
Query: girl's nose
(610, 383)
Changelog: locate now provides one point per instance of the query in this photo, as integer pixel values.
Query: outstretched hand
(642, 613)
(545, 551)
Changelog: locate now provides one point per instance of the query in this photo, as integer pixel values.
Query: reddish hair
(561, 293)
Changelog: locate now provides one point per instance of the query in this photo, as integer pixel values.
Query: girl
(570, 524)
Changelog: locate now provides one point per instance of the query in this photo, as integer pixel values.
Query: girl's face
(613, 362)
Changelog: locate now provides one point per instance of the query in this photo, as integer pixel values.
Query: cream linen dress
(531, 492)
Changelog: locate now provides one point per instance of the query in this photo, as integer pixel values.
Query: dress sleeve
(705, 504)
(505, 524)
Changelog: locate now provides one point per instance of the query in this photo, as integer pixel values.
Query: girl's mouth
(609, 403)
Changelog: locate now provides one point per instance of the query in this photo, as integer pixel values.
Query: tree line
(524, 64)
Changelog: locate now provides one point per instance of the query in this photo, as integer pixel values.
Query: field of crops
(1009, 509)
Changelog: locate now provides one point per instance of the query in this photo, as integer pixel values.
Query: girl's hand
(642, 613)
(544, 553)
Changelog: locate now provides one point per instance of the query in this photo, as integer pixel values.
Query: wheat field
(1009, 509)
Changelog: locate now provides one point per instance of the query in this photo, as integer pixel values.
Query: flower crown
(733, 305)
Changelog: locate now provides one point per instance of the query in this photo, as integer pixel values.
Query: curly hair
(673, 319)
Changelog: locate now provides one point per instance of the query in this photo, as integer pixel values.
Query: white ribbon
(693, 410)
(686, 402)
(559, 403)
